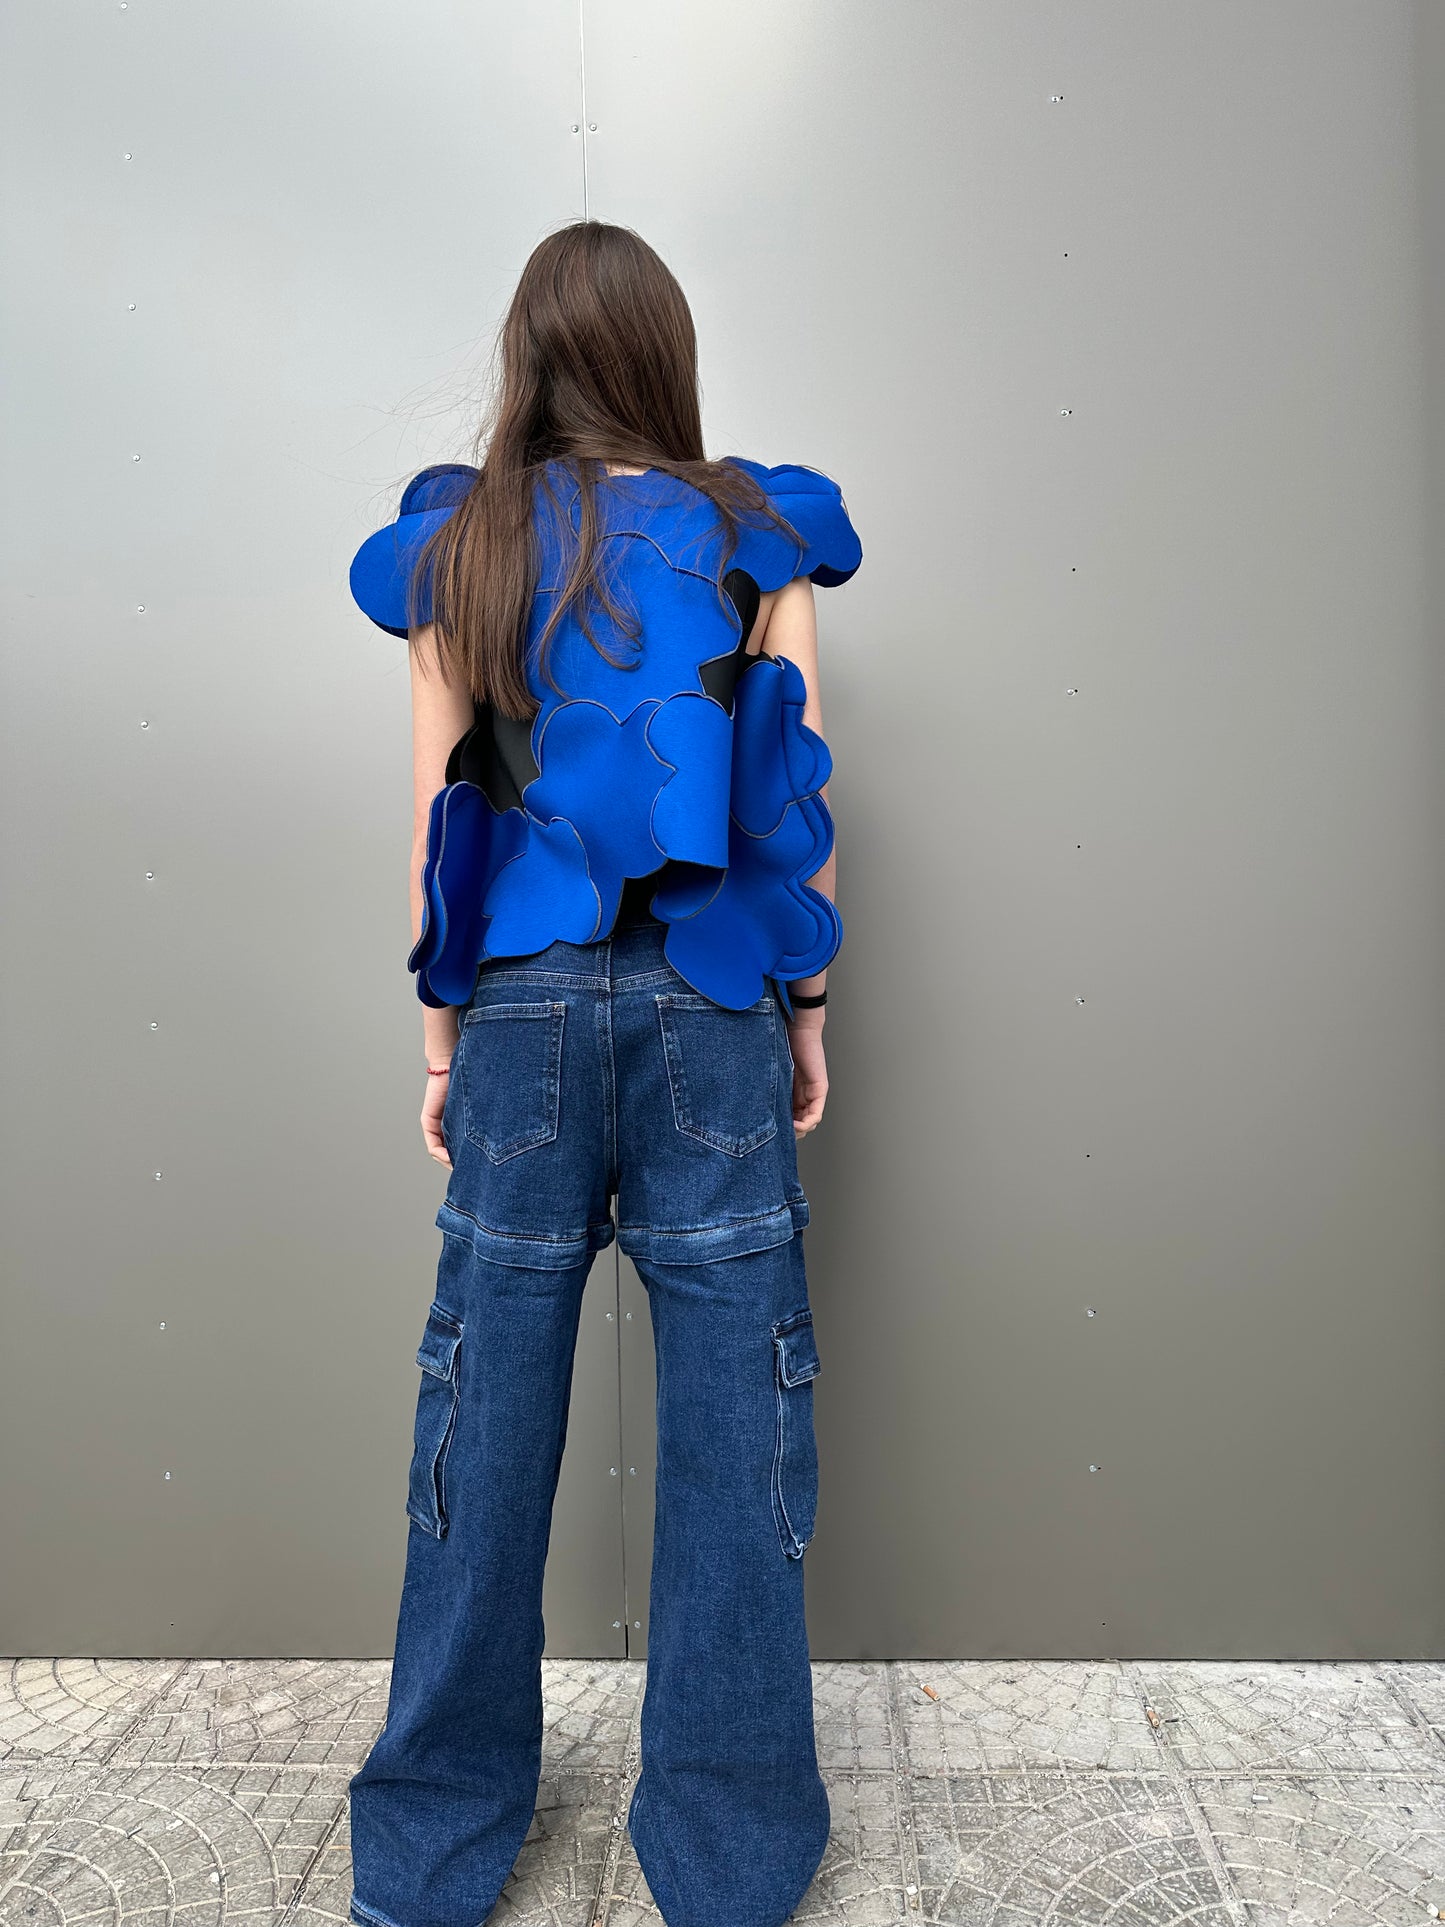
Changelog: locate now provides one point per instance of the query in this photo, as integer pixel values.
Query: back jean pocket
(510, 1057)
(795, 1451)
(439, 1356)
(722, 1067)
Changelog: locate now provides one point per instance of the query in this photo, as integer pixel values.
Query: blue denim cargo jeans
(584, 1071)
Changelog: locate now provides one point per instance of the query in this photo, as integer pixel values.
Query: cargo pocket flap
(797, 1349)
(438, 1349)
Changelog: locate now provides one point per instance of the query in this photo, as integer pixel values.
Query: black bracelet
(800, 1002)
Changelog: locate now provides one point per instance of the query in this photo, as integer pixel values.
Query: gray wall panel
(325, 210)
(1132, 704)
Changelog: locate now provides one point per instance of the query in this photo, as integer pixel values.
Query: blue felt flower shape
(598, 777)
(383, 567)
(693, 736)
(544, 894)
(764, 920)
(468, 841)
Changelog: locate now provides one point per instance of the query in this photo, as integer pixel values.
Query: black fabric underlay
(633, 904)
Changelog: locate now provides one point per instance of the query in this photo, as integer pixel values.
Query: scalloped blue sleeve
(382, 567)
(813, 503)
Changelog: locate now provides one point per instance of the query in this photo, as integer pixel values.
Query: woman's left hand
(810, 1070)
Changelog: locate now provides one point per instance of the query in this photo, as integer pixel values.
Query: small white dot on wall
(1089, 1312)
(168, 1475)
(140, 608)
(135, 458)
(154, 1025)
(150, 876)
(1062, 411)
(130, 307)
(145, 725)
(163, 1324)
(1094, 1468)
(125, 157)
(1078, 1000)
(158, 1177)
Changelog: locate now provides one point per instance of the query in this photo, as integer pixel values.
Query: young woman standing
(622, 910)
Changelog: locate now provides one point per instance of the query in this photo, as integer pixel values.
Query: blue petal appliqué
(765, 920)
(545, 893)
(694, 736)
(467, 841)
(599, 775)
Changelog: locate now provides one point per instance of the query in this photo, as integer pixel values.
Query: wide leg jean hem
(722, 1907)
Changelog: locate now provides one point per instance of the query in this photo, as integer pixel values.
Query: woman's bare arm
(441, 712)
(787, 625)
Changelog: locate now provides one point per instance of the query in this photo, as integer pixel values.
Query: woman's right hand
(810, 1069)
(431, 1116)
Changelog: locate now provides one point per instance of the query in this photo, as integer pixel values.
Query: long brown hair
(598, 364)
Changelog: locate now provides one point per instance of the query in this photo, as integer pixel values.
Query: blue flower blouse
(688, 760)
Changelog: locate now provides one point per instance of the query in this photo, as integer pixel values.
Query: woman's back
(669, 771)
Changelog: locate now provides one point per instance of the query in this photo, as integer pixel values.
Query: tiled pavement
(1132, 1794)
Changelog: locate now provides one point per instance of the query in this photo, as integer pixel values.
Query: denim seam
(718, 1224)
(610, 1151)
(517, 1237)
(573, 978)
(368, 1913)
